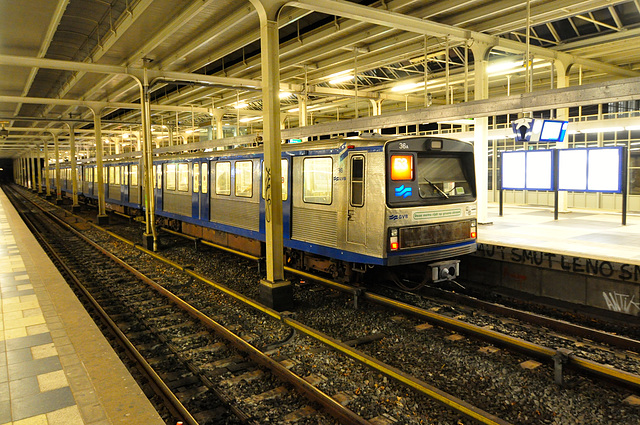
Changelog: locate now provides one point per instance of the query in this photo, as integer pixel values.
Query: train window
(134, 175)
(357, 180)
(442, 177)
(125, 175)
(317, 176)
(183, 177)
(205, 177)
(116, 173)
(196, 177)
(223, 178)
(111, 175)
(171, 177)
(244, 179)
(284, 168)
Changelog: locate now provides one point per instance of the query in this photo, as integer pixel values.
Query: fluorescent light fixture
(408, 86)
(293, 110)
(503, 65)
(341, 79)
(632, 127)
(240, 105)
(249, 119)
(126, 136)
(284, 94)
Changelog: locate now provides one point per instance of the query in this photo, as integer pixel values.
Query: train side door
(286, 168)
(356, 213)
(124, 189)
(195, 192)
(204, 191)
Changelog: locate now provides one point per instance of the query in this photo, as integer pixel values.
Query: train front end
(430, 203)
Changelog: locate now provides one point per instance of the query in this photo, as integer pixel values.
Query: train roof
(362, 141)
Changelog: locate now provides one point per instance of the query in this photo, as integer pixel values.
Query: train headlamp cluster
(393, 240)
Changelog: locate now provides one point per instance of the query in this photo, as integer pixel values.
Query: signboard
(590, 170)
(530, 170)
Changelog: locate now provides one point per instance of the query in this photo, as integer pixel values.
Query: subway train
(350, 204)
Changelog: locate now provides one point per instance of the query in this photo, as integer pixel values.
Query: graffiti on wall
(622, 303)
(592, 267)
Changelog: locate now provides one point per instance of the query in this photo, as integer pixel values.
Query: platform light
(284, 94)
(240, 105)
(503, 65)
(249, 119)
(406, 87)
(340, 77)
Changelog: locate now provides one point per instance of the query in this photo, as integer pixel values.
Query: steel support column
(39, 178)
(30, 167)
(47, 178)
(275, 291)
(102, 208)
(74, 173)
(150, 237)
(481, 129)
(56, 153)
(562, 114)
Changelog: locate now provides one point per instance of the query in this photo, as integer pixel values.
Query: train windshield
(442, 178)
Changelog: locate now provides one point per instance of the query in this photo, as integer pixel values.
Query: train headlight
(393, 240)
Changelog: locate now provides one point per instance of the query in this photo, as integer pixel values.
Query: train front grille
(434, 234)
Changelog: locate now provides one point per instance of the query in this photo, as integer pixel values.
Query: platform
(584, 257)
(579, 233)
(56, 367)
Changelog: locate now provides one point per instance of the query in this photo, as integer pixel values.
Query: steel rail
(160, 388)
(390, 371)
(559, 325)
(549, 354)
(340, 412)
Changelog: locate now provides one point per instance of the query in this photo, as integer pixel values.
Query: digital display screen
(553, 131)
(402, 167)
(513, 170)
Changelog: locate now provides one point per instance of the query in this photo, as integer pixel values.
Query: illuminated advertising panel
(572, 173)
(527, 170)
(513, 170)
(539, 170)
(603, 170)
(591, 170)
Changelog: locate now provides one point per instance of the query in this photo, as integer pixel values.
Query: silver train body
(348, 203)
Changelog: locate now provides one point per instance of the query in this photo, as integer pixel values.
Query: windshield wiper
(440, 191)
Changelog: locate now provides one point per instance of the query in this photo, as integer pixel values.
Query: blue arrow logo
(403, 192)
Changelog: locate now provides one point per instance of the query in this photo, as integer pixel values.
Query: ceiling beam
(420, 26)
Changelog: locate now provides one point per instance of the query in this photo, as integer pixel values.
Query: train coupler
(445, 270)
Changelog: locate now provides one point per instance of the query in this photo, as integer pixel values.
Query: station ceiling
(319, 53)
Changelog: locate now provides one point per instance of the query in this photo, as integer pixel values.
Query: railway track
(207, 374)
(374, 350)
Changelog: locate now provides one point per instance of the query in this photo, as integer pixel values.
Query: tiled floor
(55, 366)
(579, 233)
